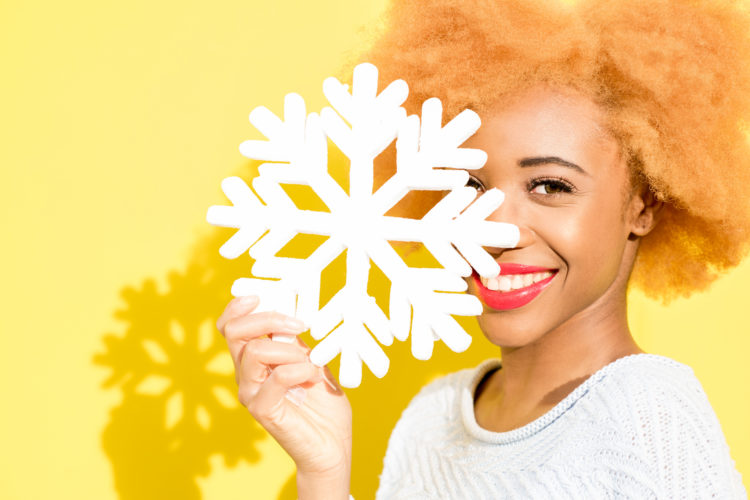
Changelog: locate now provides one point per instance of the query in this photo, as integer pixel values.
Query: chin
(509, 332)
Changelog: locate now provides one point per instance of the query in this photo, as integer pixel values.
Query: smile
(515, 286)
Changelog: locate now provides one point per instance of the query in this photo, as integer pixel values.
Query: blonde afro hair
(673, 77)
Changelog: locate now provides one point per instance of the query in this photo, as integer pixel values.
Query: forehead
(547, 122)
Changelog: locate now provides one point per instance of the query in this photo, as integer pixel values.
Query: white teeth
(516, 282)
(492, 284)
(505, 284)
(510, 282)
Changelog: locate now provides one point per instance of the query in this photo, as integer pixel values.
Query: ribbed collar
(536, 426)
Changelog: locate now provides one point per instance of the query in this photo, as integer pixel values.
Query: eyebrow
(542, 160)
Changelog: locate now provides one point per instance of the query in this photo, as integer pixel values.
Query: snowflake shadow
(179, 402)
(175, 375)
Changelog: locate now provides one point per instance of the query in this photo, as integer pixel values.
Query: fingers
(233, 324)
(249, 326)
(263, 399)
(260, 354)
(331, 383)
(263, 366)
(239, 330)
(236, 307)
(302, 344)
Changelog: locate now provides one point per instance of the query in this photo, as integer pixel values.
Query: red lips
(515, 298)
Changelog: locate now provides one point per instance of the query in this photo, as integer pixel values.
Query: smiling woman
(568, 188)
(608, 125)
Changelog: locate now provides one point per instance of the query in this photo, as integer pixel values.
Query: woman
(615, 131)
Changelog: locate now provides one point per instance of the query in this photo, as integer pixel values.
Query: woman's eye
(475, 183)
(550, 186)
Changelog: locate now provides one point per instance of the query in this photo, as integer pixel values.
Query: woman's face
(567, 187)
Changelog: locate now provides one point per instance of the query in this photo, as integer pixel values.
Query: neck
(536, 376)
(575, 349)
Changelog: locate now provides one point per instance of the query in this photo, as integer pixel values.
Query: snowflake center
(356, 225)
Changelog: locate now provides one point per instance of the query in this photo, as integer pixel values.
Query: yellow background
(119, 121)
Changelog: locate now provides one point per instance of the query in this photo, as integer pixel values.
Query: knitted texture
(641, 427)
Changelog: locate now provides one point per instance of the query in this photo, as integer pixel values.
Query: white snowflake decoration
(429, 157)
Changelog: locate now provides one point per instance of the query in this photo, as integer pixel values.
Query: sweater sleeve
(681, 436)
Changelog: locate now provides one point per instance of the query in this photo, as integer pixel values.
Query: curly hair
(673, 77)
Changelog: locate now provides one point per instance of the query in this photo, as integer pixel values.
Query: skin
(317, 434)
(584, 224)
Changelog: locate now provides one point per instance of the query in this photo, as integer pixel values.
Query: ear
(645, 209)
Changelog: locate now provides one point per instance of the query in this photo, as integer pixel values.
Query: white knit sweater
(641, 427)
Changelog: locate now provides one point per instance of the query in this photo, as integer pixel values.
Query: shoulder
(652, 397)
(656, 389)
(646, 380)
(643, 381)
(659, 405)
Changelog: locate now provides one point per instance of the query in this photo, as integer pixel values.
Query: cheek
(589, 239)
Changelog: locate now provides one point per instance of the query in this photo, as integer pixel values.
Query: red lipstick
(513, 299)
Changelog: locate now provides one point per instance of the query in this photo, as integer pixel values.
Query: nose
(526, 237)
(508, 213)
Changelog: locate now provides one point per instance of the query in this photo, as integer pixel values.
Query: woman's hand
(298, 403)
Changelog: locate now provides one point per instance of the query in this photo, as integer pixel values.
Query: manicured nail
(249, 300)
(294, 324)
(333, 387)
(280, 337)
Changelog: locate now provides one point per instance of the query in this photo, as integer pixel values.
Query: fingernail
(294, 324)
(330, 384)
(280, 337)
(249, 300)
